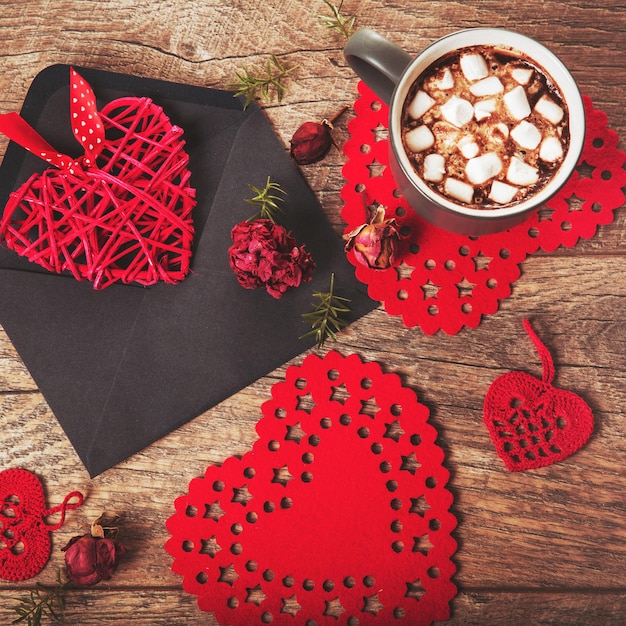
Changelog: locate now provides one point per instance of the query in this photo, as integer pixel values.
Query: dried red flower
(375, 243)
(89, 559)
(265, 254)
(311, 142)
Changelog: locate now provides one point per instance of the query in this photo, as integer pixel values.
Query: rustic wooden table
(540, 547)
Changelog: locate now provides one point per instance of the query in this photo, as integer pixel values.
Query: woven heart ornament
(121, 212)
(338, 515)
(24, 533)
(532, 423)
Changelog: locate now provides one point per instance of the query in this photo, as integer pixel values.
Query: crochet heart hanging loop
(547, 362)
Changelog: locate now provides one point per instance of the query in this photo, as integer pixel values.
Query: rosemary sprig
(344, 25)
(326, 318)
(251, 84)
(43, 601)
(266, 201)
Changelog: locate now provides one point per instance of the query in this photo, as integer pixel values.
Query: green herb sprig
(266, 201)
(43, 601)
(326, 319)
(344, 25)
(251, 84)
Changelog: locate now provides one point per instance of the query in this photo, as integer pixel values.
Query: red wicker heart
(533, 424)
(339, 514)
(24, 535)
(122, 211)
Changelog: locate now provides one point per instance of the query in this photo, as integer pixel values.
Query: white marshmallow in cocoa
(551, 150)
(489, 86)
(446, 81)
(522, 75)
(468, 146)
(474, 66)
(421, 103)
(419, 138)
(482, 168)
(459, 189)
(501, 193)
(526, 135)
(549, 109)
(457, 111)
(484, 108)
(520, 173)
(434, 167)
(517, 103)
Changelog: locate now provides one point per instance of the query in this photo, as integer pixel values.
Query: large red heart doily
(122, 212)
(338, 515)
(24, 534)
(444, 281)
(532, 423)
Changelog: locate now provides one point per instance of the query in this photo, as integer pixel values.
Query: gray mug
(390, 72)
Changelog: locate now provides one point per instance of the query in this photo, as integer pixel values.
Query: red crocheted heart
(339, 514)
(122, 211)
(533, 424)
(24, 535)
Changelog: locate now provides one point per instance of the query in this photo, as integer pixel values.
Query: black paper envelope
(124, 366)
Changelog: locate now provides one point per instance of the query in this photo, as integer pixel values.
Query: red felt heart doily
(24, 534)
(444, 281)
(338, 515)
(532, 423)
(122, 212)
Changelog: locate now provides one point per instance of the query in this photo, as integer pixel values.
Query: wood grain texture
(541, 547)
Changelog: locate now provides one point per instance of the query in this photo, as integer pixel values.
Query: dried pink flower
(375, 243)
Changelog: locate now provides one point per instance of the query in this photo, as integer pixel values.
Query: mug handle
(378, 61)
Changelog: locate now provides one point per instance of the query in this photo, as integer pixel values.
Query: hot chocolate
(485, 126)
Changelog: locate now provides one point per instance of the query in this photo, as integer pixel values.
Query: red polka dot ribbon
(444, 281)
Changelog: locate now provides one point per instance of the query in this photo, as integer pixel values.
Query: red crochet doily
(444, 281)
(122, 212)
(338, 515)
(24, 534)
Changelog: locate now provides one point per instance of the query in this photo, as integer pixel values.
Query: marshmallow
(419, 138)
(487, 87)
(484, 108)
(468, 147)
(473, 66)
(434, 167)
(459, 190)
(526, 135)
(551, 150)
(458, 111)
(522, 75)
(480, 169)
(420, 104)
(446, 81)
(520, 173)
(517, 103)
(549, 109)
(501, 193)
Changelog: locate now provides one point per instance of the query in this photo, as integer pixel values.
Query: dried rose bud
(375, 243)
(312, 141)
(89, 560)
